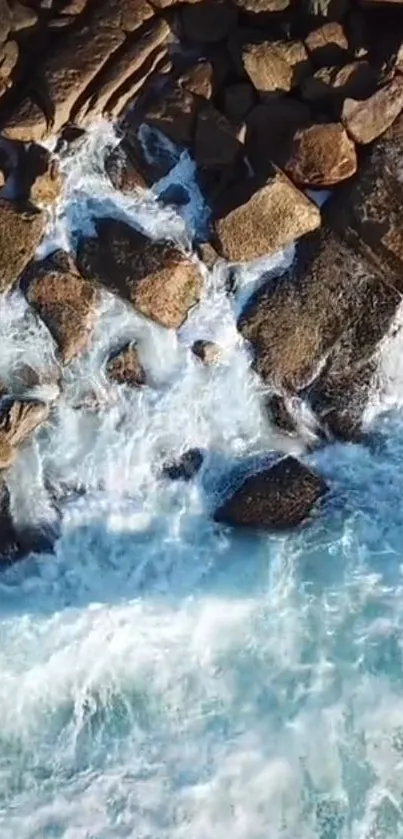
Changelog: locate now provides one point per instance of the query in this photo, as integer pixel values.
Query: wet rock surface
(124, 366)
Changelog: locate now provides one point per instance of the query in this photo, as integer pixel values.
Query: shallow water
(162, 677)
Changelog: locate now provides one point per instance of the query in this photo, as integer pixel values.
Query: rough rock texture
(327, 45)
(123, 174)
(209, 21)
(21, 230)
(199, 79)
(207, 351)
(275, 216)
(185, 467)
(367, 120)
(7, 453)
(276, 66)
(64, 301)
(277, 498)
(39, 175)
(124, 366)
(328, 87)
(20, 418)
(174, 114)
(155, 277)
(322, 155)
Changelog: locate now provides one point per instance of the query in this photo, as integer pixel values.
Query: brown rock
(277, 498)
(208, 255)
(369, 119)
(174, 114)
(333, 84)
(271, 128)
(7, 453)
(124, 175)
(5, 21)
(64, 301)
(74, 7)
(207, 351)
(262, 6)
(199, 79)
(274, 216)
(124, 367)
(216, 141)
(22, 17)
(155, 277)
(39, 175)
(157, 64)
(322, 155)
(239, 100)
(327, 45)
(20, 418)
(8, 59)
(276, 66)
(21, 230)
(27, 123)
(209, 21)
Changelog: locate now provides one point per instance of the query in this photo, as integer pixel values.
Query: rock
(22, 17)
(263, 6)
(198, 79)
(271, 128)
(122, 172)
(216, 141)
(39, 175)
(327, 45)
(65, 302)
(21, 230)
(8, 60)
(280, 415)
(74, 7)
(207, 351)
(185, 467)
(7, 453)
(157, 65)
(209, 21)
(26, 123)
(174, 114)
(276, 66)
(208, 254)
(239, 99)
(124, 367)
(276, 498)
(8, 536)
(155, 277)
(322, 155)
(20, 418)
(367, 120)
(331, 9)
(5, 21)
(17, 543)
(331, 85)
(274, 216)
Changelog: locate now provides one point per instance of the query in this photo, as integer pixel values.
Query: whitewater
(163, 677)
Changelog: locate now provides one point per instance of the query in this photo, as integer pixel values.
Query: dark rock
(211, 20)
(21, 230)
(327, 45)
(280, 415)
(38, 175)
(64, 301)
(207, 351)
(330, 86)
(276, 65)
(20, 418)
(123, 174)
(216, 140)
(174, 113)
(278, 498)
(185, 467)
(270, 132)
(198, 79)
(155, 277)
(239, 99)
(17, 543)
(322, 155)
(124, 366)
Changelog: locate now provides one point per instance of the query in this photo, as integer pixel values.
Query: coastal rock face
(124, 366)
(274, 216)
(185, 467)
(20, 418)
(21, 229)
(122, 172)
(155, 277)
(277, 498)
(209, 21)
(366, 120)
(322, 156)
(64, 301)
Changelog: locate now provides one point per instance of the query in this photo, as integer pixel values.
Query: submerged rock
(185, 467)
(276, 498)
(124, 366)
(159, 280)
(65, 301)
(21, 229)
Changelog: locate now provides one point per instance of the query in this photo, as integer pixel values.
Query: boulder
(276, 65)
(124, 366)
(174, 113)
(277, 498)
(239, 99)
(322, 155)
(7, 453)
(65, 302)
(27, 122)
(216, 142)
(329, 87)
(367, 120)
(159, 280)
(270, 131)
(20, 418)
(209, 21)
(185, 467)
(21, 230)
(198, 79)
(275, 215)
(122, 172)
(258, 7)
(22, 16)
(207, 351)
(327, 45)
(5, 21)
(39, 177)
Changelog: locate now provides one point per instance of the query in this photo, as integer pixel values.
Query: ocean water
(162, 677)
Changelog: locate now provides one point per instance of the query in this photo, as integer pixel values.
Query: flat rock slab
(21, 230)
(366, 120)
(275, 216)
(65, 302)
(322, 156)
(278, 498)
(158, 279)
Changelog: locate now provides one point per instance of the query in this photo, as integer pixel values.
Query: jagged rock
(185, 467)
(327, 45)
(7, 453)
(26, 123)
(21, 230)
(331, 85)
(271, 128)
(39, 177)
(239, 99)
(123, 174)
(279, 414)
(276, 498)
(155, 277)
(276, 65)
(199, 79)
(174, 114)
(5, 21)
(322, 155)
(207, 351)
(274, 216)
(216, 140)
(8, 59)
(208, 21)
(367, 120)
(22, 17)
(124, 367)
(20, 418)
(64, 301)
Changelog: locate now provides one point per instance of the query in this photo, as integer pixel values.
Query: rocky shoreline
(275, 101)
